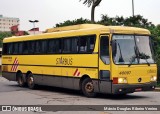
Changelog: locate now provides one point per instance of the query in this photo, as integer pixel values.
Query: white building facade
(7, 22)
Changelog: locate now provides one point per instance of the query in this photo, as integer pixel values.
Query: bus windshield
(133, 49)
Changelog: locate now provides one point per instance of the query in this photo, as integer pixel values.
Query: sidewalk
(2, 79)
(157, 89)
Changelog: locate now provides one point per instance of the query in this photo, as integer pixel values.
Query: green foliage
(74, 22)
(26, 33)
(158, 84)
(136, 21)
(4, 35)
(7, 34)
(155, 31)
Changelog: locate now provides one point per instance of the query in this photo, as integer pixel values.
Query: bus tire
(30, 81)
(88, 88)
(20, 80)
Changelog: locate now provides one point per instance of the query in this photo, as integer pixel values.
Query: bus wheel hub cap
(89, 87)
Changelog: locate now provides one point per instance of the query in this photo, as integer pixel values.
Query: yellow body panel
(134, 72)
(58, 65)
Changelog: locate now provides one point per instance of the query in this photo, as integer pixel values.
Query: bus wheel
(20, 80)
(88, 88)
(30, 81)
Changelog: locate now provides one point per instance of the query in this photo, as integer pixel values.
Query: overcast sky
(50, 12)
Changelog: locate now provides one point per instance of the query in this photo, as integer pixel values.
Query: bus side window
(5, 49)
(25, 47)
(38, 46)
(58, 45)
(83, 44)
(87, 44)
(91, 43)
(51, 44)
(67, 45)
(31, 47)
(15, 48)
(20, 48)
(10, 46)
(75, 45)
(104, 49)
(44, 46)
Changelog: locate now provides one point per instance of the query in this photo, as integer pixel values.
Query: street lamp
(133, 8)
(35, 21)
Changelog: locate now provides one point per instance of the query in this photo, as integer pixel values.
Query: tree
(73, 22)
(94, 4)
(4, 35)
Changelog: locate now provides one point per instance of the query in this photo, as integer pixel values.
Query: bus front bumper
(130, 88)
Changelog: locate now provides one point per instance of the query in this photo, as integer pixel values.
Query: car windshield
(132, 49)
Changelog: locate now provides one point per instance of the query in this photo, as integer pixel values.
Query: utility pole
(133, 8)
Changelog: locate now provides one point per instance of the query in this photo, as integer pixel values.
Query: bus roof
(79, 29)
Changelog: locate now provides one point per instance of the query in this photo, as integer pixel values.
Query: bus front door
(104, 65)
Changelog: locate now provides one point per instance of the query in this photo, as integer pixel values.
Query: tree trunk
(94, 5)
(92, 13)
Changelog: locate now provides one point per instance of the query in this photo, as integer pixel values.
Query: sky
(51, 12)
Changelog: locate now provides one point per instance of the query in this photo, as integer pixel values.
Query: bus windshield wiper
(132, 59)
(141, 55)
(134, 56)
(144, 56)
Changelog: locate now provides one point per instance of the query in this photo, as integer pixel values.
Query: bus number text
(125, 73)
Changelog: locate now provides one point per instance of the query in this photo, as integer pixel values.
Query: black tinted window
(75, 45)
(44, 46)
(38, 46)
(54, 46)
(104, 49)
(31, 47)
(25, 47)
(5, 48)
(67, 44)
(15, 48)
(87, 44)
(20, 48)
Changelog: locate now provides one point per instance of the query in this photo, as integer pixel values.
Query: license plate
(138, 89)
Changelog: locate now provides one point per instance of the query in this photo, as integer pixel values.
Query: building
(7, 22)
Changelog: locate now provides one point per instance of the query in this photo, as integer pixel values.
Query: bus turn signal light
(115, 80)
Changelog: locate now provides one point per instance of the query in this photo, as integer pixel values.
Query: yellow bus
(89, 57)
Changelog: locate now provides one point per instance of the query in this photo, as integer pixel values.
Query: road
(12, 94)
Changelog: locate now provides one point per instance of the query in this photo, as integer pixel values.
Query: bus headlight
(154, 78)
(122, 80)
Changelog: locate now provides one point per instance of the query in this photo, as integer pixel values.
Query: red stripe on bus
(13, 64)
(75, 72)
(78, 74)
(16, 66)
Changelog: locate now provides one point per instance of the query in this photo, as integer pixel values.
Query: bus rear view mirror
(114, 47)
